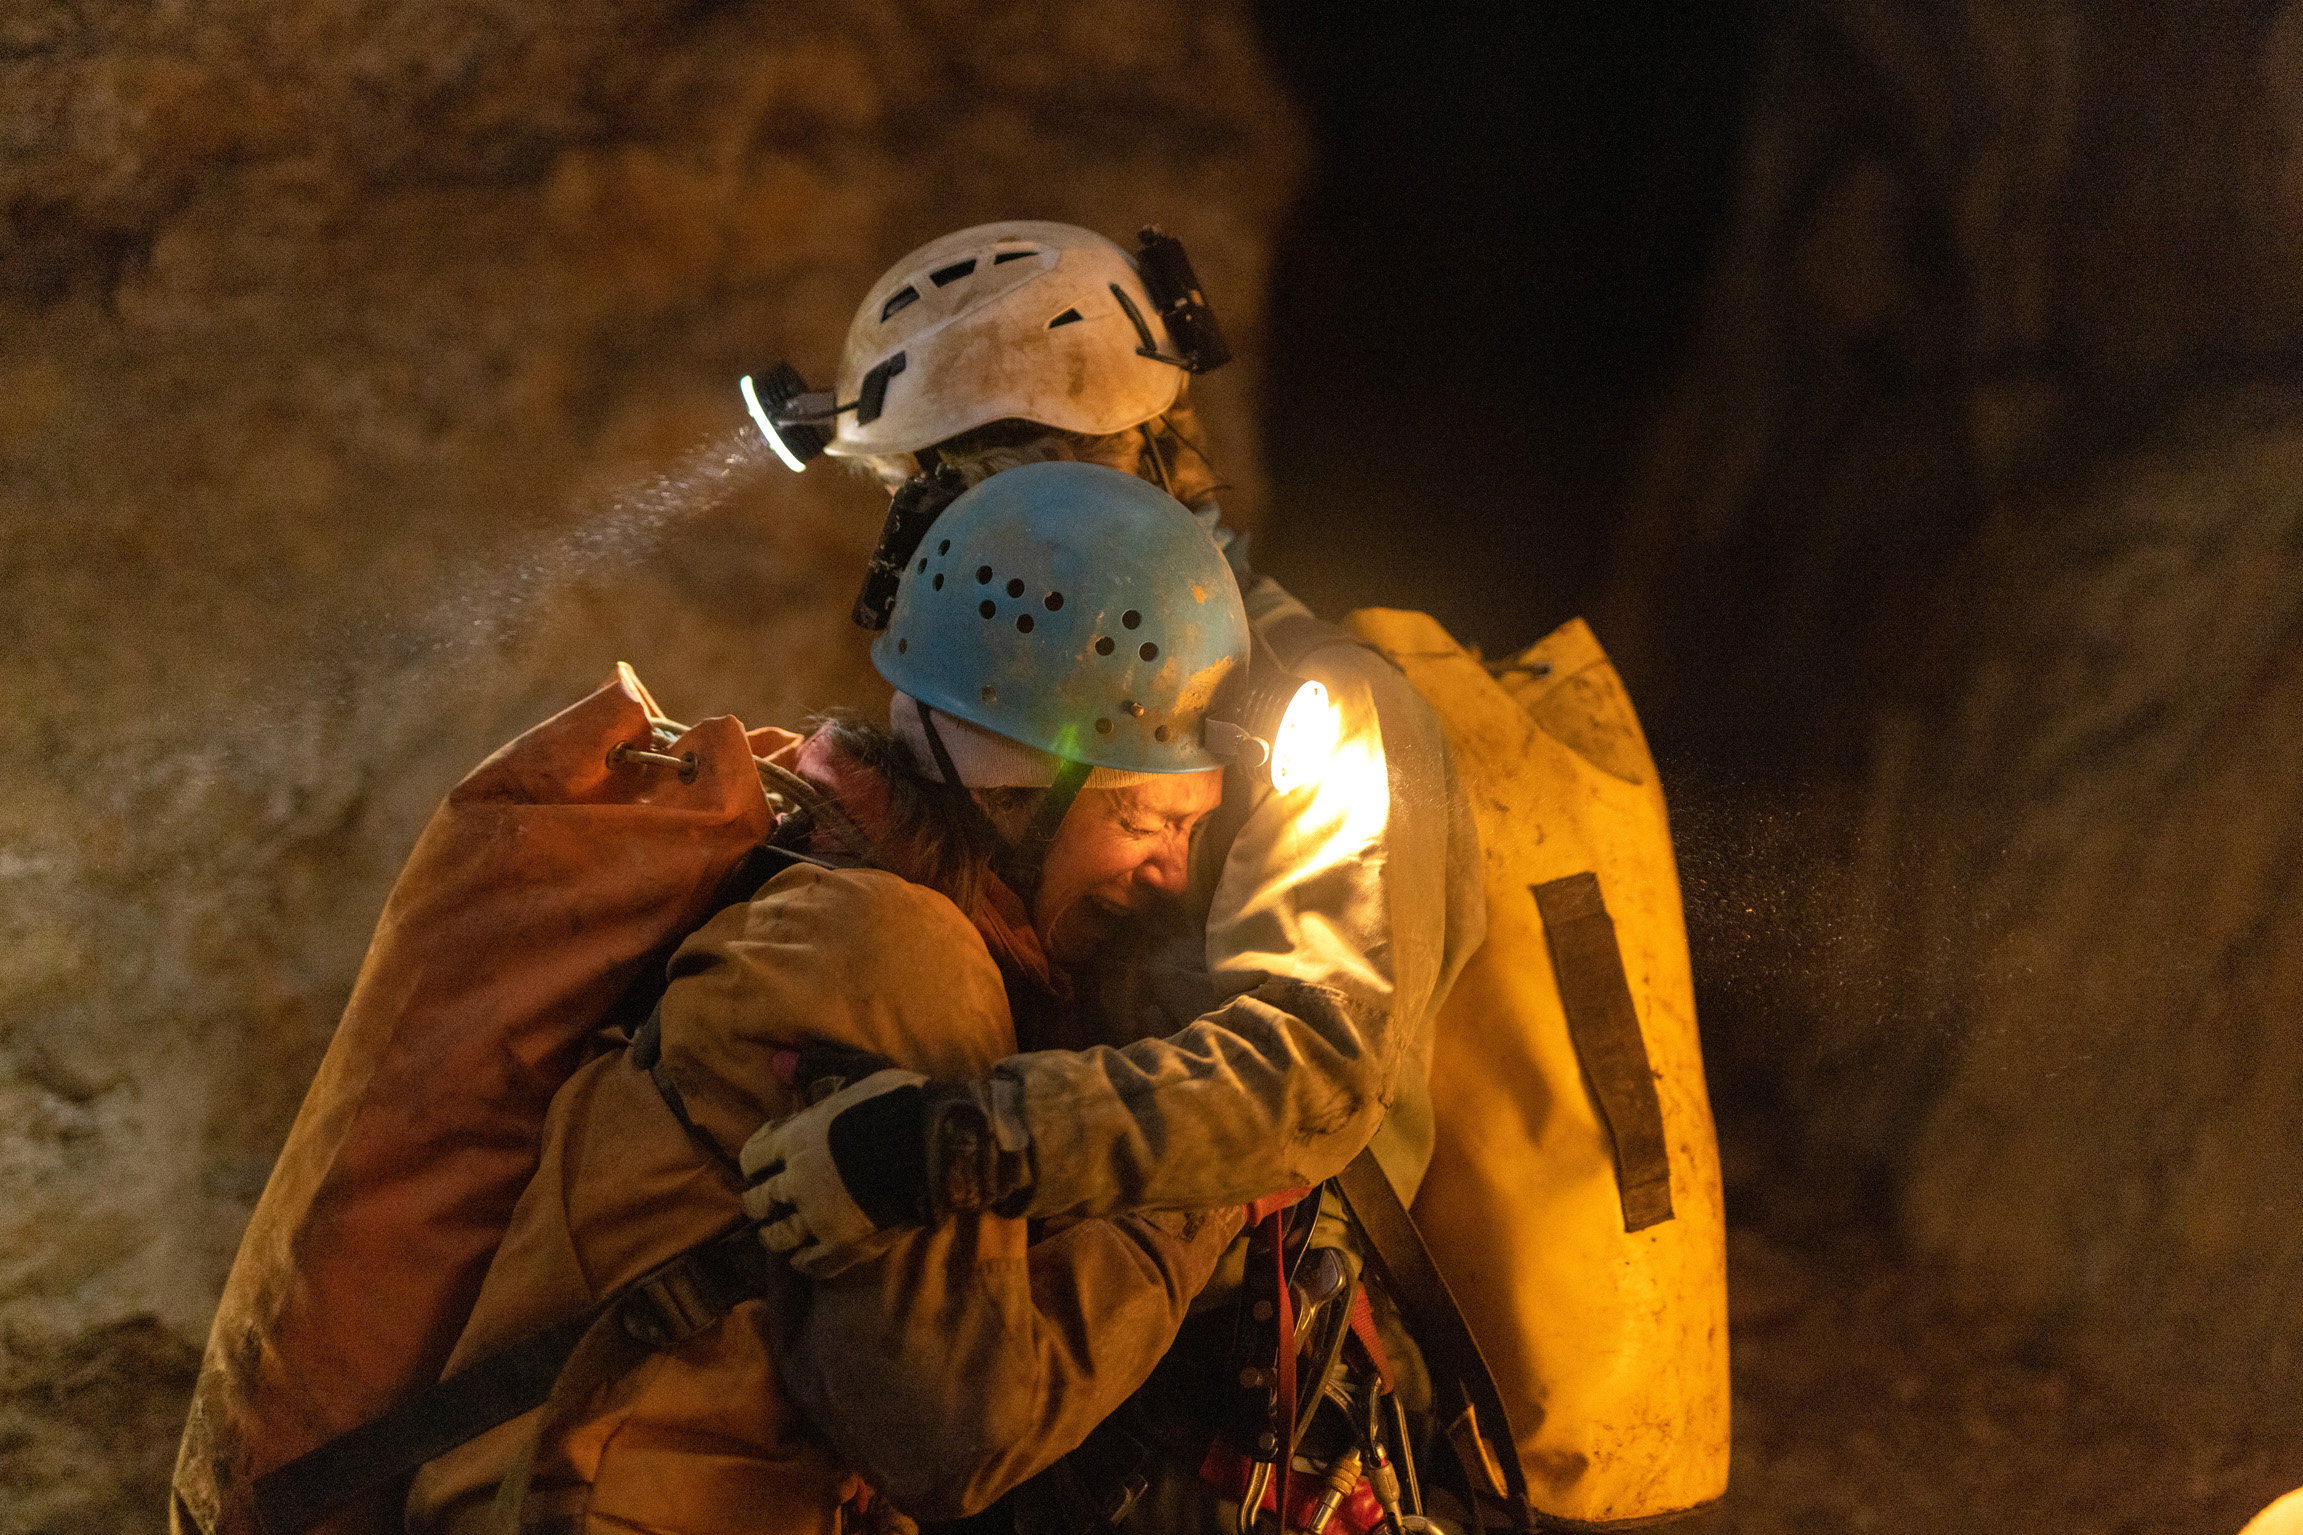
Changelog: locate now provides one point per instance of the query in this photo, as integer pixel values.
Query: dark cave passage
(1496, 269)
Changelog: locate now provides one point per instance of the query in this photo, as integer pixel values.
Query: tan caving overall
(1573, 1200)
(945, 1371)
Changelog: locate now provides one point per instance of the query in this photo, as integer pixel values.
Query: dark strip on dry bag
(1605, 1027)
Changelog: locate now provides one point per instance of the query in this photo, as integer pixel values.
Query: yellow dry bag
(1573, 1202)
(2284, 1517)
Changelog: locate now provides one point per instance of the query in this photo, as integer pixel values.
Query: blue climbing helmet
(1073, 608)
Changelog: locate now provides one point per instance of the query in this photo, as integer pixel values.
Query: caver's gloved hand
(832, 1183)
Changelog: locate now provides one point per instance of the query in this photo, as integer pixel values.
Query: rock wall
(365, 391)
(1967, 576)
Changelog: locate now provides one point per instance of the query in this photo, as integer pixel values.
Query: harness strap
(1363, 1328)
(660, 1310)
(647, 1053)
(1286, 1363)
(1481, 1429)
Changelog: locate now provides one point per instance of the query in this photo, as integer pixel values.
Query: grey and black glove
(830, 1184)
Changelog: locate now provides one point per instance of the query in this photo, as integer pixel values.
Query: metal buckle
(625, 751)
(666, 1308)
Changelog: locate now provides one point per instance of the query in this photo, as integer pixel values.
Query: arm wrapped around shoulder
(957, 1365)
(1276, 1089)
(853, 959)
(946, 1362)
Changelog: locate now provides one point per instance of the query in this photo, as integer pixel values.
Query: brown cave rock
(366, 391)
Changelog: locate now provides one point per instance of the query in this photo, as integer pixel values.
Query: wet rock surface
(88, 1426)
(366, 391)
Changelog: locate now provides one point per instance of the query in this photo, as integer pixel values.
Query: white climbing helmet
(1038, 321)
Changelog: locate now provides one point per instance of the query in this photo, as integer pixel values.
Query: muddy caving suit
(1294, 1034)
(1335, 921)
(944, 1371)
(1267, 1053)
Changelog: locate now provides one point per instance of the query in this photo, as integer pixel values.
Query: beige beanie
(986, 759)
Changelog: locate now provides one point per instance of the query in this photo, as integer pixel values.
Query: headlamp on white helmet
(1027, 321)
(1191, 326)
(796, 424)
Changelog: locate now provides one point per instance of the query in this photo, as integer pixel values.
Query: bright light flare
(768, 427)
(1304, 745)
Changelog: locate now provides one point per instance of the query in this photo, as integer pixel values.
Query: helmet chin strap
(1026, 858)
(1158, 459)
(1055, 804)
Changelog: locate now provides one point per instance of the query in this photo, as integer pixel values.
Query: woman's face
(1117, 853)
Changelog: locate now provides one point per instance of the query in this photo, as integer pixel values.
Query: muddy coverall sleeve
(965, 1358)
(962, 1363)
(1340, 918)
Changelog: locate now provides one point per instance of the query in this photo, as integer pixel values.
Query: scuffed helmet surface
(1073, 608)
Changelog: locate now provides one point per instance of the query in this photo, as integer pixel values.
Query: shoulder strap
(647, 1054)
(1480, 1430)
(764, 862)
(662, 1309)
(1294, 637)
(659, 1310)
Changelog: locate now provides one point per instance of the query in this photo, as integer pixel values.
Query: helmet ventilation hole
(923, 565)
(1104, 646)
(988, 607)
(945, 276)
(1013, 255)
(1068, 317)
(1055, 601)
(1103, 727)
(1130, 619)
(939, 581)
(1015, 586)
(1023, 623)
(903, 298)
(1150, 652)
(1160, 734)
(983, 575)
(902, 646)
(945, 547)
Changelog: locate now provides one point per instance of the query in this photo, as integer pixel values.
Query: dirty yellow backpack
(1573, 1201)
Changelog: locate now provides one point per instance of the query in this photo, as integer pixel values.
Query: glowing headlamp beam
(1306, 740)
(1298, 749)
(767, 426)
